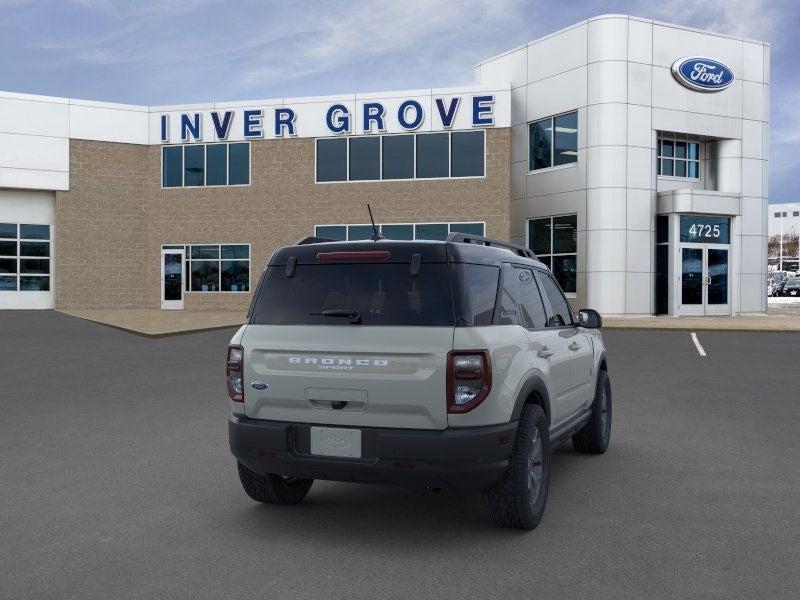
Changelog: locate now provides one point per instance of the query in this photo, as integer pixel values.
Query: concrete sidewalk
(154, 322)
(769, 322)
(781, 317)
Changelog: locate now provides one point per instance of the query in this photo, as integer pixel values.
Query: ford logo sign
(702, 74)
(259, 385)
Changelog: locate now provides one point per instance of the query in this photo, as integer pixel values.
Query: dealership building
(630, 155)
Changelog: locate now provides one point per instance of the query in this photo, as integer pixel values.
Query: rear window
(381, 294)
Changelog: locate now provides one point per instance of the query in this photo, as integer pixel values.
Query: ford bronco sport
(449, 365)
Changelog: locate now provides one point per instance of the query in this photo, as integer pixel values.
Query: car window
(531, 307)
(561, 314)
(506, 312)
(477, 292)
(381, 294)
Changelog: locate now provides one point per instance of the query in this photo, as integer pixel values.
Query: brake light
(469, 379)
(234, 372)
(354, 256)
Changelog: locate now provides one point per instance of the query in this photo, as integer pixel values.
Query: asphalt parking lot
(116, 482)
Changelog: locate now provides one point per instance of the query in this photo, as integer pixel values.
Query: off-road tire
(273, 489)
(514, 502)
(594, 437)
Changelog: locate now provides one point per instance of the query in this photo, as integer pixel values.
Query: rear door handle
(574, 346)
(545, 353)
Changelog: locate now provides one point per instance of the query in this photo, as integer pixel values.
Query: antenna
(376, 234)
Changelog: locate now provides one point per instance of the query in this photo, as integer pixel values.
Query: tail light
(234, 372)
(469, 379)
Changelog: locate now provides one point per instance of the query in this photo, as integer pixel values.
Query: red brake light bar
(355, 256)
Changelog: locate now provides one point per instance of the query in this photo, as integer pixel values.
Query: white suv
(456, 365)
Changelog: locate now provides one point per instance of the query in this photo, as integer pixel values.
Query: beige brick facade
(112, 223)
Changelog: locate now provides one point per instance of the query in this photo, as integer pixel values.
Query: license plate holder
(335, 441)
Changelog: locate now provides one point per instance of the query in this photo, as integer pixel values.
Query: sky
(169, 52)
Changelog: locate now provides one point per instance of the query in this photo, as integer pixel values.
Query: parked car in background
(791, 287)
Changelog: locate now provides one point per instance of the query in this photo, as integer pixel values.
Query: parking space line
(697, 345)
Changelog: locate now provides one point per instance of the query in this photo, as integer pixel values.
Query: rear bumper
(463, 459)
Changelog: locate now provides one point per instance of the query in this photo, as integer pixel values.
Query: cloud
(155, 52)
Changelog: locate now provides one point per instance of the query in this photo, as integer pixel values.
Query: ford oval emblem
(259, 385)
(702, 74)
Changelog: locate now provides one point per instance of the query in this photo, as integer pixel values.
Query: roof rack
(466, 238)
(313, 240)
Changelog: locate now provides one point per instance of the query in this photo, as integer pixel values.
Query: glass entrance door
(717, 293)
(704, 280)
(172, 279)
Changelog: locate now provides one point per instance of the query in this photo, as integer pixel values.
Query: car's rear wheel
(594, 437)
(273, 489)
(519, 499)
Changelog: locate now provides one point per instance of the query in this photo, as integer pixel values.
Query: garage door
(26, 249)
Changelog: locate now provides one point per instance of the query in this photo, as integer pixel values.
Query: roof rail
(313, 240)
(466, 238)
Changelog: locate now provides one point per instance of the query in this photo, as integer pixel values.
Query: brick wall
(111, 224)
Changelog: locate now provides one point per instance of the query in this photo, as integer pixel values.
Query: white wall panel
(27, 179)
(558, 53)
(560, 179)
(108, 124)
(753, 62)
(510, 68)
(608, 82)
(519, 144)
(640, 84)
(519, 105)
(605, 250)
(700, 124)
(640, 167)
(752, 177)
(753, 101)
(752, 221)
(34, 117)
(34, 152)
(605, 292)
(668, 93)
(639, 245)
(752, 253)
(607, 166)
(607, 124)
(640, 129)
(605, 208)
(557, 94)
(752, 144)
(752, 292)
(640, 41)
(640, 209)
(519, 172)
(608, 39)
(638, 293)
(671, 43)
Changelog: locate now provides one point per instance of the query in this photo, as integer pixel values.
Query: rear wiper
(353, 315)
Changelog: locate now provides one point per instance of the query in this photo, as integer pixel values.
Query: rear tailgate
(382, 376)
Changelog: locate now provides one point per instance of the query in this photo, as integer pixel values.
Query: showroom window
(24, 257)
(216, 267)
(678, 158)
(202, 165)
(398, 231)
(554, 241)
(553, 141)
(403, 156)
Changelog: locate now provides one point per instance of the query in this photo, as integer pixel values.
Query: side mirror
(590, 319)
